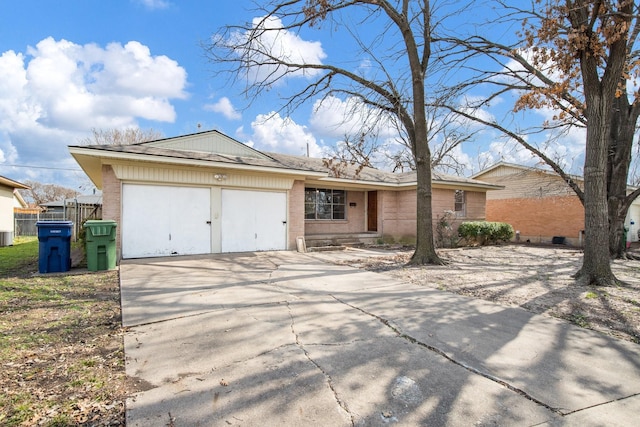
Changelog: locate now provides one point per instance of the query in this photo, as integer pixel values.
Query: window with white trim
(460, 204)
(324, 203)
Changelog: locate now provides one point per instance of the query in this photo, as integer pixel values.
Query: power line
(43, 167)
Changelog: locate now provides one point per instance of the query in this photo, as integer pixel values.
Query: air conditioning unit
(6, 238)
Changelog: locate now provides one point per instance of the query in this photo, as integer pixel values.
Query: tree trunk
(600, 90)
(623, 123)
(416, 127)
(617, 247)
(425, 252)
(596, 267)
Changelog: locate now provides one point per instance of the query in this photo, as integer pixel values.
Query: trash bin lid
(54, 223)
(91, 222)
(99, 227)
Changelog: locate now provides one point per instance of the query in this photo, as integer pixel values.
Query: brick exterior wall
(296, 213)
(399, 211)
(111, 200)
(398, 215)
(476, 206)
(540, 219)
(540, 205)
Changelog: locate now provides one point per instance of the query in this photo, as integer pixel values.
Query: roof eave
(474, 185)
(345, 182)
(14, 184)
(109, 157)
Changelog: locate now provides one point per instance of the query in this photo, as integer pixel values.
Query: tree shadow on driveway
(340, 346)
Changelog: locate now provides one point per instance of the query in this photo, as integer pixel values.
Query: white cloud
(80, 87)
(131, 69)
(278, 42)
(274, 133)
(512, 66)
(8, 153)
(224, 107)
(470, 105)
(154, 4)
(55, 92)
(567, 151)
(333, 117)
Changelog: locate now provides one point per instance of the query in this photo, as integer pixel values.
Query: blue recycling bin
(54, 246)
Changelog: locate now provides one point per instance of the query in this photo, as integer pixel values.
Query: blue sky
(68, 66)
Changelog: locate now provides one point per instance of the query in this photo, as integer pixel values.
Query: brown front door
(372, 211)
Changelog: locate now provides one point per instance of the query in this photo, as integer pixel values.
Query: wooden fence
(25, 219)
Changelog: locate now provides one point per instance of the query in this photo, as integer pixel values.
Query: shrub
(446, 236)
(485, 233)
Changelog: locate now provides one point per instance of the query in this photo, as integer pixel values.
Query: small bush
(485, 233)
(446, 236)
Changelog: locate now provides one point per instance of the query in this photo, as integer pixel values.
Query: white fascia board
(407, 185)
(109, 157)
(342, 182)
(459, 185)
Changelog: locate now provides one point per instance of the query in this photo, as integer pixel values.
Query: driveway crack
(441, 353)
(340, 402)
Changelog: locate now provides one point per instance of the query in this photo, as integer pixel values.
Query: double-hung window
(460, 204)
(324, 203)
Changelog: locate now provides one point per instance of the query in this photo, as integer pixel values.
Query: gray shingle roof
(285, 162)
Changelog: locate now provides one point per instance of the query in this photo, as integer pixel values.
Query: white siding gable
(211, 142)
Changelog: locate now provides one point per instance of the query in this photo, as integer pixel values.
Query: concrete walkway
(287, 339)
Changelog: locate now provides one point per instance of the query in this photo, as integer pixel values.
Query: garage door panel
(253, 221)
(271, 223)
(165, 220)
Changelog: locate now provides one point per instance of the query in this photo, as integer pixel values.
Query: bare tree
(361, 149)
(394, 84)
(126, 136)
(39, 193)
(446, 133)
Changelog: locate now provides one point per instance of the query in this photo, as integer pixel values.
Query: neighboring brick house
(208, 193)
(540, 205)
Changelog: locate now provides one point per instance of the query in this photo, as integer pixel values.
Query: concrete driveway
(288, 339)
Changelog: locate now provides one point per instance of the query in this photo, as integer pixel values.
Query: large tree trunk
(425, 252)
(600, 90)
(416, 127)
(596, 267)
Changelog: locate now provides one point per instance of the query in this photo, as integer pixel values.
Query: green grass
(579, 319)
(41, 291)
(22, 255)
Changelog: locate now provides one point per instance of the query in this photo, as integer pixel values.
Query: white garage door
(164, 220)
(253, 221)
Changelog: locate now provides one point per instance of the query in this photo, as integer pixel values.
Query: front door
(372, 211)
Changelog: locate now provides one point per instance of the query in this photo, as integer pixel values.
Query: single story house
(208, 193)
(540, 205)
(10, 198)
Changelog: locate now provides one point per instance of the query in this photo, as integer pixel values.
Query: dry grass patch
(537, 279)
(61, 347)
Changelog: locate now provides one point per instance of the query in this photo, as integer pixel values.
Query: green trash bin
(101, 244)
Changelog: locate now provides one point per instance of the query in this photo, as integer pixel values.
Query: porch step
(350, 240)
(326, 248)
